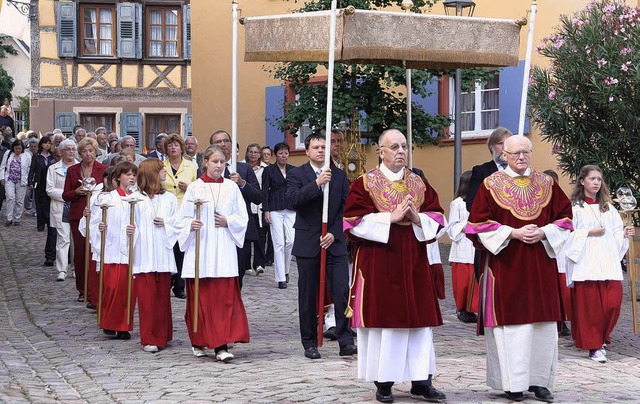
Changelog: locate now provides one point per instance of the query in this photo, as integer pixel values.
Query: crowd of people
(133, 229)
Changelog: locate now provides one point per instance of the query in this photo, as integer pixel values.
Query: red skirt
(221, 315)
(438, 279)
(153, 291)
(113, 310)
(596, 308)
(465, 287)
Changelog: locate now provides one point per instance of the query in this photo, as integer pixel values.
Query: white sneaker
(598, 355)
(259, 270)
(150, 348)
(198, 352)
(61, 276)
(224, 356)
(250, 272)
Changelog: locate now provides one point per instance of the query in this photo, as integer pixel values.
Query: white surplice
(595, 258)
(218, 257)
(462, 250)
(394, 354)
(153, 245)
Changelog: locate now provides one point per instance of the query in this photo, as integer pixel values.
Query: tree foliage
(587, 102)
(378, 93)
(6, 81)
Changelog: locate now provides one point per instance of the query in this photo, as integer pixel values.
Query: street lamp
(22, 7)
(461, 8)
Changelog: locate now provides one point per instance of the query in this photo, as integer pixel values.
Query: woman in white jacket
(14, 175)
(594, 251)
(153, 262)
(56, 175)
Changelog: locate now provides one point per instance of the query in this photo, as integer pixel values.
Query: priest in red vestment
(390, 214)
(522, 218)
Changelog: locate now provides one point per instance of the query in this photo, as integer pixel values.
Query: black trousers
(259, 259)
(43, 204)
(244, 259)
(268, 244)
(177, 283)
(337, 279)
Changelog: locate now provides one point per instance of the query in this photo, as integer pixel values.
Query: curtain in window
(90, 31)
(155, 33)
(106, 32)
(171, 33)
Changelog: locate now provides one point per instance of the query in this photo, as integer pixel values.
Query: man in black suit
(250, 188)
(160, 152)
(305, 196)
(495, 143)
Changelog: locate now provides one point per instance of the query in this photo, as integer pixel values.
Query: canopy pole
(527, 69)
(234, 83)
(407, 5)
(327, 162)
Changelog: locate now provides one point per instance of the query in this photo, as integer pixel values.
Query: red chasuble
(393, 285)
(521, 281)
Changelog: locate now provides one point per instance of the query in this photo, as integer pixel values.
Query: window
(157, 124)
(122, 30)
(92, 121)
(163, 32)
(480, 108)
(97, 30)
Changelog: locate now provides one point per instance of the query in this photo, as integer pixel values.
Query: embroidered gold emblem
(386, 195)
(525, 197)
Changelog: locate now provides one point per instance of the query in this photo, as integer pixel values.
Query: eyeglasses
(220, 141)
(525, 153)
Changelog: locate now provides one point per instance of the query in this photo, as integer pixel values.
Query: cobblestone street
(51, 350)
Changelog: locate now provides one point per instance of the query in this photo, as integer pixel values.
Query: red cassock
(393, 284)
(521, 281)
(153, 290)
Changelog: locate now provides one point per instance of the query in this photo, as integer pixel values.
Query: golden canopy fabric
(424, 41)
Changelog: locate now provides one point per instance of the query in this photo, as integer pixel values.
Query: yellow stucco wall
(211, 95)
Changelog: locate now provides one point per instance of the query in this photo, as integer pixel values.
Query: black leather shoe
(286, 278)
(282, 285)
(467, 317)
(180, 294)
(429, 392)
(383, 392)
(312, 353)
(123, 335)
(109, 333)
(48, 263)
(384, 397)
(542, 393)
(565, 331)
(90, 306)
(348, 350)
(519, 396)
(330, 334)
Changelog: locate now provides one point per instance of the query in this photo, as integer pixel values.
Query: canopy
(424, 41)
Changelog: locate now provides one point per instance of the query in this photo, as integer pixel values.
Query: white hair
(517, 139)
(67, 144)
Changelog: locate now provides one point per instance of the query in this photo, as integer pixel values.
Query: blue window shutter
(274, 101)
(65, 121)
(188, 125)
(510, 98)
(430, 102)
(127, 38)
(186, 32)
(131, 125)
(67, 29)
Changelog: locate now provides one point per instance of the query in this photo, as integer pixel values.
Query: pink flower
(610, 81)
(552, 94)
(625, 66)
(625, 51)
(601, 63)
(609, 9)
(611, 99)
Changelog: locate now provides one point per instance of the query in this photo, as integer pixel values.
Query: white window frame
(303, 131)
(479, 89)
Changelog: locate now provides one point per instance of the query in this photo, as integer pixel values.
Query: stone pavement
(51, 350)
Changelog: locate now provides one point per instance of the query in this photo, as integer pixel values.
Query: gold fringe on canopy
(424, 41)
